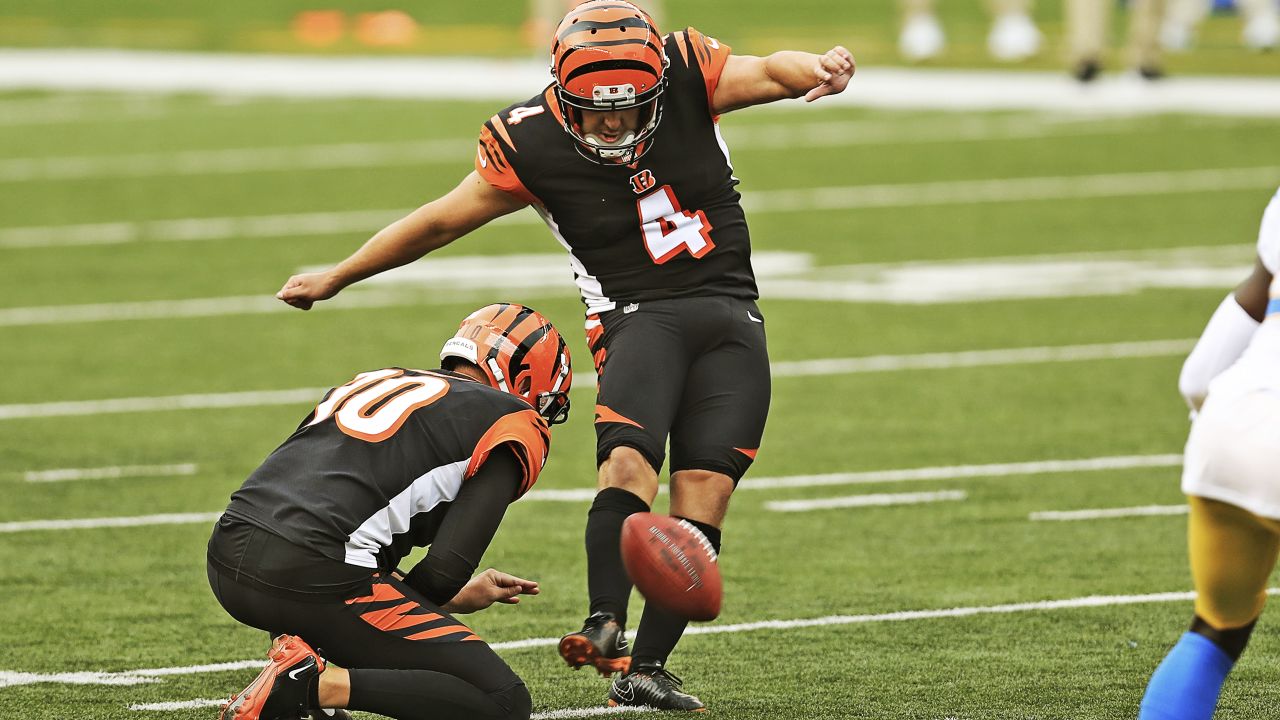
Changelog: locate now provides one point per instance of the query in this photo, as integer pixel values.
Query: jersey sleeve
(705, 54)
(493, 160)
(1269, 236)
(528, 436)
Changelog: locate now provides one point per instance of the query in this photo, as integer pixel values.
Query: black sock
(659, 630)
(430, 695)
(607, 581)
(1232, 642)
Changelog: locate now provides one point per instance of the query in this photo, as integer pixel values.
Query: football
(672, 564)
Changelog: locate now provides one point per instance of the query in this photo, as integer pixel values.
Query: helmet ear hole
(523, 387)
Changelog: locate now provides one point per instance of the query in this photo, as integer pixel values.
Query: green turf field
(184, 308)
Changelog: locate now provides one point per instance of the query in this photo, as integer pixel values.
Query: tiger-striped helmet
(520, 352)
(607, 55)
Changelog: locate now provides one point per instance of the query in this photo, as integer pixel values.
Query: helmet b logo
(642, 181)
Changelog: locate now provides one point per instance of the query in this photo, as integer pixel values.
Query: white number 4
(520, 113)
(669, 230)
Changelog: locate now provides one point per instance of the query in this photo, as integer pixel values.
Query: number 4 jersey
(669, 225)
(370, 472)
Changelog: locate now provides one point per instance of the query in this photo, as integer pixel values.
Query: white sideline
(133, 677)
(88, 523)
(458, 150)
(1104, 513)
(952, 472)
(872, 500)
(850, 197)
(801, 368)
(507, 80)
(107, 473)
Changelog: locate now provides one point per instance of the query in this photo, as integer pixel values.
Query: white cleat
(1014, 37)
(922, 38)
(1262, 32)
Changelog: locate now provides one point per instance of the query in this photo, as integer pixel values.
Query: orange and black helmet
(520, 352)
(607, 55)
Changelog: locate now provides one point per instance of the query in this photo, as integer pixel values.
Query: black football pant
(408, 659)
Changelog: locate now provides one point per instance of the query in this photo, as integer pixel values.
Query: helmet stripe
(605, 43)
(588, 25)
(611, 65)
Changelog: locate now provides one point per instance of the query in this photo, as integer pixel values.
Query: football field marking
(239, 75)
(872, 500)
(108, 473)
(298, 158)
(952, 472)
(803, 368)
(1107, 513)
(910, 474)
(849, 197)
(135, 677)
(92, 523)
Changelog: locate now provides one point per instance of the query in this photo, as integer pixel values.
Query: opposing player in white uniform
(1232, 479)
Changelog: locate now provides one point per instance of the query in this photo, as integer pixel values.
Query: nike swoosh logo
(629, 695)
(753, 318)
(293, 674)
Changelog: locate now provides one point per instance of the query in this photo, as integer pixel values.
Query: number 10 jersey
(669, 225)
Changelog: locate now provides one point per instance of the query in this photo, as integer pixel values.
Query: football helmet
(607, 55)
(520, 352)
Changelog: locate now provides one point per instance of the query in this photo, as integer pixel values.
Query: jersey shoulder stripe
(702, 54)
(501, 140)
(528, 436)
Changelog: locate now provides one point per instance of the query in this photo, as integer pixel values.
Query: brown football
(672, 564)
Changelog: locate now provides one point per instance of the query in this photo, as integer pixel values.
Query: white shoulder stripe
(439, 485)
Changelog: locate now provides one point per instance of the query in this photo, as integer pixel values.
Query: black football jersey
(369, 474)
(669, 225)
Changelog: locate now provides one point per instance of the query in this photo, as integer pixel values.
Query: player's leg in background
(1087, 23)
(921, 36)
(1232, 555)
(1145, 19)
(1014, 35)
(1261, 24)
(1181, 18)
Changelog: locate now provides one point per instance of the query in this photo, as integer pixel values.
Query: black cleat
(601, 643)
(1086, 70)
(652, 686)
(280, 691)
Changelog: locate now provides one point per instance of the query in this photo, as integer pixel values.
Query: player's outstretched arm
(487, 588)
(471, 204)
(747, 80)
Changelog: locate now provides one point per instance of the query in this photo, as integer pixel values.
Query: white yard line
(458, 150)
(805, 368)
(1105, 513)
(948, 472)
(108, 473)
(505, 80)
(133, 677)
(920, 474)
(850, 197)
(956, 472)
(873, 500)
(86, 523)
